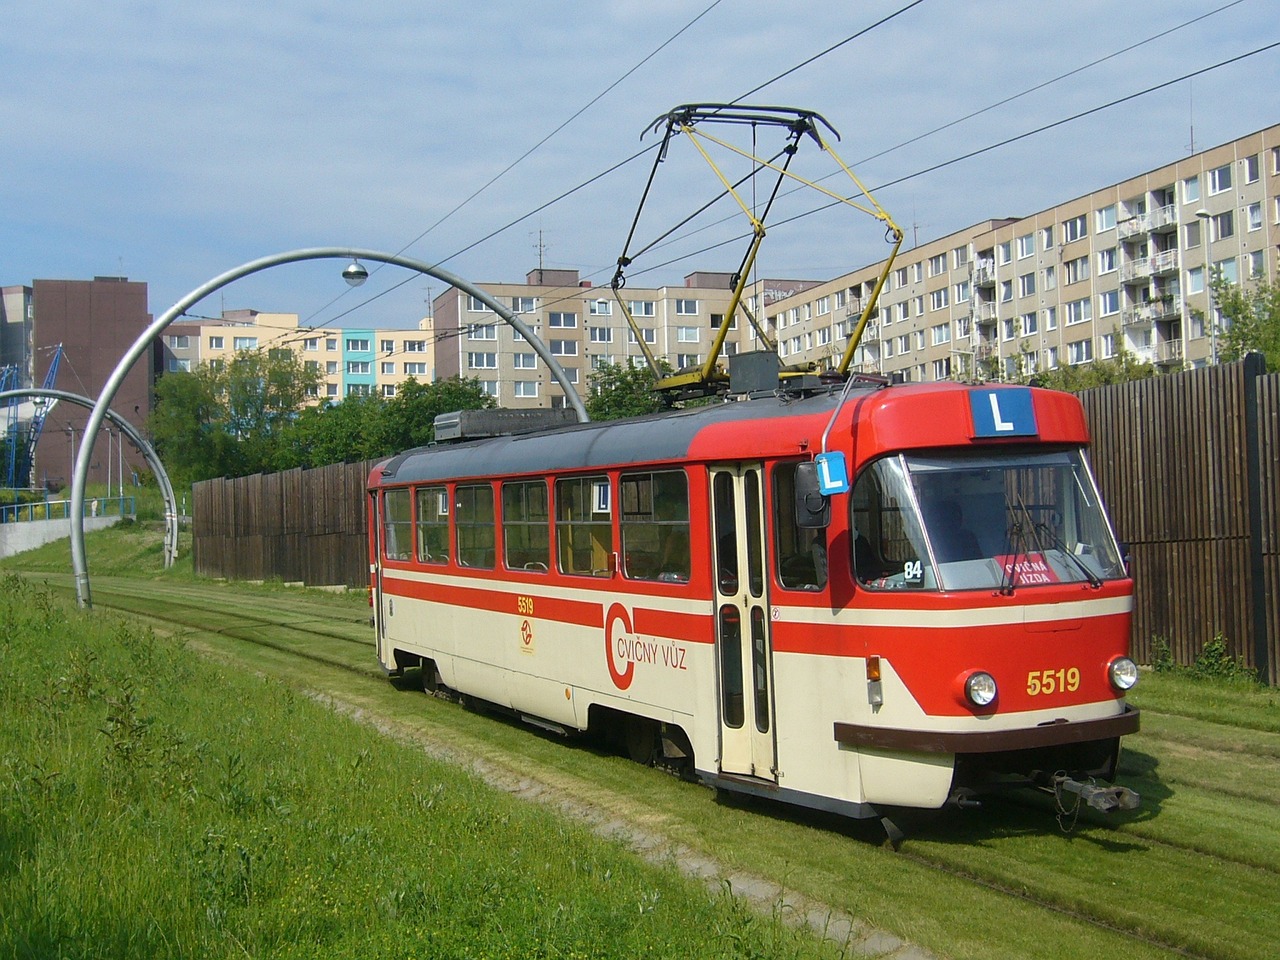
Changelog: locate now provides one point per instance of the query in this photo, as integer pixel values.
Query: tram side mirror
(813, 508)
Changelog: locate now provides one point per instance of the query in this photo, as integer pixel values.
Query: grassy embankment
(1195, 872)
(153, 804)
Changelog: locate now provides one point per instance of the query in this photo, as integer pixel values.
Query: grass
(1194, 872)
(153, 804)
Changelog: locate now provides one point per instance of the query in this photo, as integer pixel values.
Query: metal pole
(148, 336)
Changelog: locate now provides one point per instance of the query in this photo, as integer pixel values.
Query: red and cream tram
(955, 617)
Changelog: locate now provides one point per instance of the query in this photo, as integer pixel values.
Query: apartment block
(1124, 266)
(584, 328)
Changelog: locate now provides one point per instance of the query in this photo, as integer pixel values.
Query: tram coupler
(1106, 799)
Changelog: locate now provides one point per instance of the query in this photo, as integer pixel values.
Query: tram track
(292, 630)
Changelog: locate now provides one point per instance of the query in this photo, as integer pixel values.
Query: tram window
(526, 536)
(473, 517)
(397, 526)
(584, 526)
(888, 545)
(733, 709)
(655, 526)
(800, 553)
(433, 524)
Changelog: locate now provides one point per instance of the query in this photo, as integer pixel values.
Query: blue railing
(61, 509)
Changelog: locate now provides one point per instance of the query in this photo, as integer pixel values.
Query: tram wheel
(430, 683)
(641, 737)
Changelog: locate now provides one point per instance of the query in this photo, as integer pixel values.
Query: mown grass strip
(152, 804)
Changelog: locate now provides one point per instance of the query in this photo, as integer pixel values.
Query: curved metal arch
(148, 336)
(139, 441)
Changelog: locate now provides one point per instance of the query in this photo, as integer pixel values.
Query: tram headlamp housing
(1123, 673)
(980, 688)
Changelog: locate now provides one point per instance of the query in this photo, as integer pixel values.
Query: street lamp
(1204, 217)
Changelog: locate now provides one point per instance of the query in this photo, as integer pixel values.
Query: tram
(853, 599)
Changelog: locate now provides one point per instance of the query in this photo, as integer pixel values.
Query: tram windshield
(968, 521)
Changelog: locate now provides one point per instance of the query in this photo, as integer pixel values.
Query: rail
(61, 509)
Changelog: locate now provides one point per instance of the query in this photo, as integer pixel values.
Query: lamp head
(355, 273)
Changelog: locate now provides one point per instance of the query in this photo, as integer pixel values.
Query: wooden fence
(303, 526)
(1187, 463)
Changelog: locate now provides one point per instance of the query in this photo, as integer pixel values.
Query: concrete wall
(29, 534)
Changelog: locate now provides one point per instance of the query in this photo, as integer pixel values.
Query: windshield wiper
(1094, 580)
(1020, 536)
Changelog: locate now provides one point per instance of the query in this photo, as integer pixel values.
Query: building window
(388, 390)
(961, 292)
(1006, 291)
(330, 389)
(1191, 235)
(600, 334)
(358, 366)
(179, 366)
(216, 343)
(526, 388)
(1227, 269)
(331, 343)
(1191, 189)
(942, 368)
(482, 361)
(312, 366)
(941, 334)
(489, 388)
(1108, 303)
(311, 343)
(331, 368)
(1107, 345)
(357, 345)
(1195, 280)
(600, 308)
(1008, 329)
(179, 341)
(937, 264)
(475, 305)
(960, 257)
(1077, 228)
(1080, 352)
(415, 369)
(524, 361)
(1051, 358)
(1050, 279)
(1250, 169)
(389, 368)
(686, 308)
(899, 278)
(388, 346)
(1220, 179)
(686, 360)
(564, 348)
(1222, 225)
(1254, 213)
(524, 304)
(1026, 246)
(564, 320)
(1076, 270)
(1003, 253)
(1104, 219)
(244, 343)
(1078, 311)
(1046, 238)
(1107, 261)
(642, 308)
(918, 304)
(358, 390)
(686, 334)
(1028, 324)
(482, 331)
(650, 335)
(1254, 264)
(1027, 285)
(917, 272)
(415, 346)
(938, 299)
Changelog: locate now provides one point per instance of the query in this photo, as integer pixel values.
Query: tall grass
(153, 805)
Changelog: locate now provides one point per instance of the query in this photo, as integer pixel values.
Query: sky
(171, 142)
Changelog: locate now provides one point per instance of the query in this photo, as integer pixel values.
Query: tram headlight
(980, 688)
(1123, 673)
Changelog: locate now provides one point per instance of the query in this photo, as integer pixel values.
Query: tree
(1251, 319)
(1121, 368)
(410, 419)
(623, 390)
(229, 420)
(345, 432)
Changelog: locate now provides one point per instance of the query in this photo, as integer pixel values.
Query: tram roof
(897, 417)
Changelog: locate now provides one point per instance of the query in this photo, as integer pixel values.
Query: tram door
(379, 532)
(743, 647)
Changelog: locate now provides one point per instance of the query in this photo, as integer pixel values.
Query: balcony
(1133, 226)
(1169, 353)
(871, 333)
(987, 349)
(1164, 219)
(984, 312)
(1137, 317)
(1166, 308)
(1136, 271)
(984, 273)
(1165, 262)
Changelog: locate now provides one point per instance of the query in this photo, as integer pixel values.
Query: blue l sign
(1004, 412)
(833, 475)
